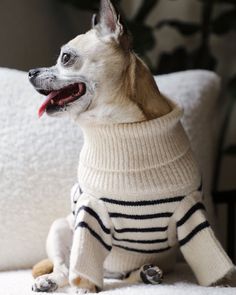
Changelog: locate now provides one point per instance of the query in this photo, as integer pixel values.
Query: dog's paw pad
(151, 274)
(44, 285)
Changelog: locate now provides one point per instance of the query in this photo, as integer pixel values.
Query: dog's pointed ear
(94, 21)
(112, 24)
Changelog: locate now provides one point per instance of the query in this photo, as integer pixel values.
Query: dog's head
(88, 67)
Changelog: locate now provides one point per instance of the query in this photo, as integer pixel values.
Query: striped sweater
(138, 199)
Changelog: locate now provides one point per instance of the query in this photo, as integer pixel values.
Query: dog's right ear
(112, 25)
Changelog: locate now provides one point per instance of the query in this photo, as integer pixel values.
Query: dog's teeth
(61, 103)
(52, 101)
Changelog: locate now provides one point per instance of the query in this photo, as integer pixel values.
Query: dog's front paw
(44, 284)
(227, 281)
(82, 286)
(81, 291)
(151, 274)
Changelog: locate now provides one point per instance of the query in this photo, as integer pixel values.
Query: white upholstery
(38, 158)
(179, 283)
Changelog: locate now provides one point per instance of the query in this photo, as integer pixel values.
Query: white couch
(38, 162)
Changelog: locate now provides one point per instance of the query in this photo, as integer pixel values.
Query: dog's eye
(65, 58)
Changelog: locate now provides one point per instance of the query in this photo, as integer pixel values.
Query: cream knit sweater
(138, 199)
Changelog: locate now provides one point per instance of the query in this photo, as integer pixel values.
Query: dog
(104, 86)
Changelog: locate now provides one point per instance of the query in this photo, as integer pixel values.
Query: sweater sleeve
(92, 240)
(197, 242)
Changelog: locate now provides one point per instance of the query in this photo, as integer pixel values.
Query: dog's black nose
(33, 73)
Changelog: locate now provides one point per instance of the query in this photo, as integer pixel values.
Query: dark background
(32, 32)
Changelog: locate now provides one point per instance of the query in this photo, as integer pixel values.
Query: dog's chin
(73, 110)
(64, 100)
(56, 111)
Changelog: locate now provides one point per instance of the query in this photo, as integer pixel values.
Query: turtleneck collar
(146, 156)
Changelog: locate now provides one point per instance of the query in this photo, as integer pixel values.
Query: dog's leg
(200, 247)
(227, 281)
(42, 268)
(148, 274)
(92, 242)
(58, 248)
(83, 286)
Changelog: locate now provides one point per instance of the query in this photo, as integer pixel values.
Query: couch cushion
(38, 158)
(179, 283)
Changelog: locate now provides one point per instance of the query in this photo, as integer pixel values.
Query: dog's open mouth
(59, 99)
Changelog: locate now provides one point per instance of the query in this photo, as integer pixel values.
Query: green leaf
(185, 28)
(143, 37)
(232, 87)
(231, 150)
(145, 9)
(225, 22)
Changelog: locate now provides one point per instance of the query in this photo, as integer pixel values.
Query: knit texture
(139, 198)
(138, 159)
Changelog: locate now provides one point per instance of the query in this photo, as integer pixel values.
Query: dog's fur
(119, 89)
(119, 86)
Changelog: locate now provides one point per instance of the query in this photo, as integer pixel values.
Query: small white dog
(138, 195)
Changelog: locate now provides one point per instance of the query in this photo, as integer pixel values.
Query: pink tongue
(46, 103)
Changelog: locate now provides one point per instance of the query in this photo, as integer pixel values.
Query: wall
(31, 32)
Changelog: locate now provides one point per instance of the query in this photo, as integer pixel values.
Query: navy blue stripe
(94, 234)
(141, 241)
(144, 202)
(141, 230)
(95, 215)
(190, 212)
(143, 251)
(194, 232)
(140, 217)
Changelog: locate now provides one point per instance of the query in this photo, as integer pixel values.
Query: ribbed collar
(134, 152)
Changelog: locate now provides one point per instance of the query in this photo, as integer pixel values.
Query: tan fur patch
(147, 95)
(140, 87)
(77, 281)
(42, 268)
(84, 283)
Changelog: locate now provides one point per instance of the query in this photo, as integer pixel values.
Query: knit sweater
(138, 199)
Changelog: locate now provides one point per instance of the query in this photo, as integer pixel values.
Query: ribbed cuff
(87, 260)
(207, 258)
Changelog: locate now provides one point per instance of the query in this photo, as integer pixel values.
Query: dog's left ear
(94, 21)
(112, 25)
